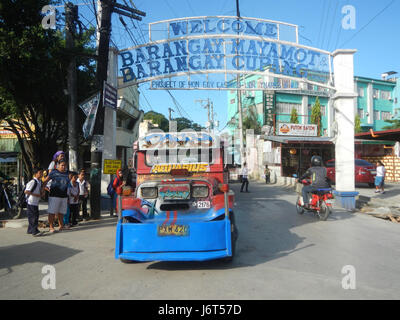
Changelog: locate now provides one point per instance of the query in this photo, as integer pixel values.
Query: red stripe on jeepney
(175, 218)
(166, 220)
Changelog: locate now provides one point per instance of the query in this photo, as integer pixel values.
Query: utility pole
(207, 106)
(212, 117)
(239, 95)
(104, 34)
(170, 110)
(71, 16)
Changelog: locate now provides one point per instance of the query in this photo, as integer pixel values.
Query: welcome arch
(208, 53)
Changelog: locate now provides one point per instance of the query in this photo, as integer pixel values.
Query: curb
(23, 223)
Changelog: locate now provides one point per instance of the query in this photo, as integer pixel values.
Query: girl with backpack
(117, 185)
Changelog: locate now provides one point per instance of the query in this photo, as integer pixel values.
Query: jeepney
(182, 208)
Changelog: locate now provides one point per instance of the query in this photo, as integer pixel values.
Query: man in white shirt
(245, 180)
(33, 193)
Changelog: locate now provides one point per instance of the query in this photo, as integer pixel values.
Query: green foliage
(163, 124)
(316, 115)
(159, 119)
(395, 124)
(357, 124)
(294, 117)
(33, 70)
(250, 121)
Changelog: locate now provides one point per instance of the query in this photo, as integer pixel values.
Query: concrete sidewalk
(43, 216)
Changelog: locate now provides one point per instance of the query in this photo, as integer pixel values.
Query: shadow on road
(43, 252)
(265, 218)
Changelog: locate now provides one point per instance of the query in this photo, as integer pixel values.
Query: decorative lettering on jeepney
(177, 140)
(191, 167)
(174, 192)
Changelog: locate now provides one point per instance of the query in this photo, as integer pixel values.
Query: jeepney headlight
(200, 192)
(149, 192)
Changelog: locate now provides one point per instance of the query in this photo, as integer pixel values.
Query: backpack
(22, 197)
(110, 189)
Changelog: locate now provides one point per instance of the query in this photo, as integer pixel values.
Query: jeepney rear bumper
(205, 241)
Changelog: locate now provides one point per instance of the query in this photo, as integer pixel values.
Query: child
(83, 194)
(33, 193)
(380, 177)
(73, 198)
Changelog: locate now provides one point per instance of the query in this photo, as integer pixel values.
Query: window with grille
(386, 115)
(360, 113)
(375, 94)
(360, 91)
(377, 115)
(385, 95)
(286, 108)
(323, 109)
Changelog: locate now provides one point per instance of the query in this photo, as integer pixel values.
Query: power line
(372, 19)
(333, 22)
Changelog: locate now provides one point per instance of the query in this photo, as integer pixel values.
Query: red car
(365, 171)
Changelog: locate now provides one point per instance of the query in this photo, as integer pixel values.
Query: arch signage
(209, 53)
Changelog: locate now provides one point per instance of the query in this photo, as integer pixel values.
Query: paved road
(280, 255)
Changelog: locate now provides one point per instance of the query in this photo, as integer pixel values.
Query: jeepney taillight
(200, 191)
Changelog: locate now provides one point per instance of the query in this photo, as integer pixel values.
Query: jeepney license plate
(203, 204)
(173, 230)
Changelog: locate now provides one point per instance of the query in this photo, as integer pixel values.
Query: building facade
(377, 101)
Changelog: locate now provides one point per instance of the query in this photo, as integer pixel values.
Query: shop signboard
(295, 129)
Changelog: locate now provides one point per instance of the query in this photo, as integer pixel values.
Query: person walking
(267, 174)
(117, 185)
(58, 196)
(380, 177)
(33, 193)
(245, 181)
(73, 198)
(83, 194)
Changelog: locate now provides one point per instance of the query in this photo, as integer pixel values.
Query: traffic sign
(111, 166)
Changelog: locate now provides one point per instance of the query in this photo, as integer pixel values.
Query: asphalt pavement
(280, 255)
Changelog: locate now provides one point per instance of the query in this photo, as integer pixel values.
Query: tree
(357, 124)
(395, 124)
(33, 69)
(250, 121)
(181, 123)
(294, 117)
(316, 115)
(157, 118)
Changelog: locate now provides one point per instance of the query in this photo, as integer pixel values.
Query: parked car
(365, 171)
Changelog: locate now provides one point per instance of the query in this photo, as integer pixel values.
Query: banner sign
(90, 109)
(222, 45)
(294, 129)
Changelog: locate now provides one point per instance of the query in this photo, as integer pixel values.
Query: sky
(375, 37)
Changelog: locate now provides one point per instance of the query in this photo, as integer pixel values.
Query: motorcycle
(320, 201)
(7, 198)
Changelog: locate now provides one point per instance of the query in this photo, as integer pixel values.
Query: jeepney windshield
(186, 156)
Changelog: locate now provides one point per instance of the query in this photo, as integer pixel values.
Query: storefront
(294, 153)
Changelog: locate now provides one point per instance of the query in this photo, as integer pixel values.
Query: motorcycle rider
(318, 176)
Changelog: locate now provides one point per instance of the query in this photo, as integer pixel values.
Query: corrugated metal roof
(322, 140)
(286, 139)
